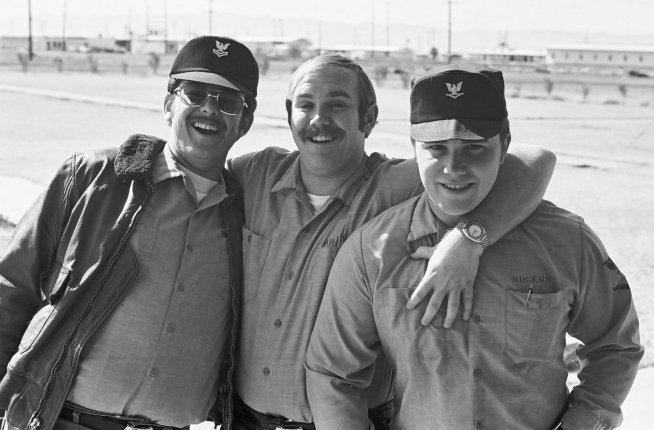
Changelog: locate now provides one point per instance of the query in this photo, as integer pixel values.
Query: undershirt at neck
(317, 201)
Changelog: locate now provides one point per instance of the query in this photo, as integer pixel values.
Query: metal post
(388, 30)
(372, 30)
(165, 26)
(63, 28)
(210, 16)
(449, 31)
(30, 46)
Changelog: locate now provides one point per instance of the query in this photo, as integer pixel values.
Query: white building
(502, 56)
(602, 57)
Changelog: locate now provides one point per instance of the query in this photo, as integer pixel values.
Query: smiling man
(301, 206)
(120, 289)
(549, 276)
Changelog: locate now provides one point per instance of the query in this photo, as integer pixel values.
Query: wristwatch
(475, 232)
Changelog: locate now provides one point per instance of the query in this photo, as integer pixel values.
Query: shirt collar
(165, 167)
(427, 229)
(292, 179)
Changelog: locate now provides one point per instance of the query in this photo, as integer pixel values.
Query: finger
(467, 302)
(432, 308)
(452, 309)
(423, 252)
(417, 296)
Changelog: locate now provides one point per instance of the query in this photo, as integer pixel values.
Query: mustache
(324, 130)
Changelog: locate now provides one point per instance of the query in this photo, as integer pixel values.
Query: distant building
(155, 44)
(601, 57)
(56, 43)
(367, 52)
(278, 47)
(501, 56)
(17, 43)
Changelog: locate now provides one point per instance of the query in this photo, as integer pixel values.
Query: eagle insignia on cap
(221, 49)
(454, 90)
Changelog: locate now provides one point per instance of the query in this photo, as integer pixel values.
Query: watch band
(475, 232)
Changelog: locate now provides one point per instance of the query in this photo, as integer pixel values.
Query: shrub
(549, 87)
(153, 61)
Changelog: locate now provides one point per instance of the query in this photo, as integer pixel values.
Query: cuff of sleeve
(578, 418)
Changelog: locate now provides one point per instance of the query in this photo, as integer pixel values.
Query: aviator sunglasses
(229, 102)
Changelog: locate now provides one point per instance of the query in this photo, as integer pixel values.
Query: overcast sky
(111, 17)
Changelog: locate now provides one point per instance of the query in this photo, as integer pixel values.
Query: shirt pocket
(408, 339)
(534, 324)
(255, 251)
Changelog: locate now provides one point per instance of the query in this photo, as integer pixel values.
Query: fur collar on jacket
(136, 157)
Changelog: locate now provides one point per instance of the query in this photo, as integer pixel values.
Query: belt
(104, 422)
(244, 413)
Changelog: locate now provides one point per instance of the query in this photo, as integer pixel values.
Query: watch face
(475, 231)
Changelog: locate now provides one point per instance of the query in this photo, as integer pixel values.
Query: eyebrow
(335, 93)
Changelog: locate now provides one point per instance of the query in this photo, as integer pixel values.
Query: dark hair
(367, 96)
(251, 101)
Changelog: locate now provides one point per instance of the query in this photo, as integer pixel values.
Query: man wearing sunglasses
(120, 289)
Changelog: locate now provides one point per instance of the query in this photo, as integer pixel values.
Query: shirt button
(266, 371)
(278, 323)
(477, 372)
(290, 275)
(170, 328)
(189, 248)
(224, 234)
(306, 230)
(180, 287)
(154, 373)
(479, 425)
(476, 318)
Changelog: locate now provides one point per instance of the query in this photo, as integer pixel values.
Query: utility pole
(165, 26)
(63, 28)
(449, 31)
(30, 46)
(388, 30)
(210, 16)
(147, 18)
(372, 30)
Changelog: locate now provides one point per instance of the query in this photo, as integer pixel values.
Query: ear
(246, 123)
(168, 108)
(370, 120)
(505, 146)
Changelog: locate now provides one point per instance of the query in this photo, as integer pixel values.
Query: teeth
(455, 186)
(321, 138)
(205, 126)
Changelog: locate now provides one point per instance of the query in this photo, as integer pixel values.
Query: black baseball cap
(457, 101)
(217, 60)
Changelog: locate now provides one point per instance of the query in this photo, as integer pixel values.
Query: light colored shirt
(288, 252)
(158, 354)
(503, 369)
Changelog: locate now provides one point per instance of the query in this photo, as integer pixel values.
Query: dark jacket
(67, 267)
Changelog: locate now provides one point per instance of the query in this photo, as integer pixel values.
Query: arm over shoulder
(518, 190)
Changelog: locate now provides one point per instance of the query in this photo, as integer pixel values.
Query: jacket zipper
(35, 421)
(230, 373)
